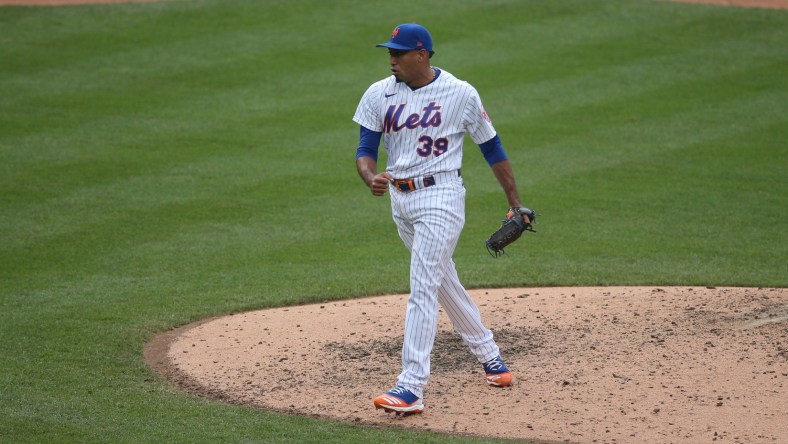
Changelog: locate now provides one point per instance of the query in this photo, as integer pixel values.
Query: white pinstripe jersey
(423, 129)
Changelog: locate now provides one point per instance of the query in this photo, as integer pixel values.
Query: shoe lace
(398, 390)
(494, 364)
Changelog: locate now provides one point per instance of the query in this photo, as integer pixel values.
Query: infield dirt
(609, 364)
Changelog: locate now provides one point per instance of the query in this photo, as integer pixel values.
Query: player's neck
(426, 77)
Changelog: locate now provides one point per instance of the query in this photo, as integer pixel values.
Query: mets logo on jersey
(431, 116)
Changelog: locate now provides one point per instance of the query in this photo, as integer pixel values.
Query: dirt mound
(610, 364)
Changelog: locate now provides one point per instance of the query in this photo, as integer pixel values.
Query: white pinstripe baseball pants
(429, 222)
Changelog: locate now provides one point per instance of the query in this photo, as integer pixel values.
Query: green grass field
(166, 162)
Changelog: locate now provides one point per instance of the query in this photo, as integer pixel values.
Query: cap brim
(395, 46)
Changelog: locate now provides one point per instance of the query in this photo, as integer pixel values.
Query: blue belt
(415, 183)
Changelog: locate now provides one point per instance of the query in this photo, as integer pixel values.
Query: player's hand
(380, 183)
(524, 214)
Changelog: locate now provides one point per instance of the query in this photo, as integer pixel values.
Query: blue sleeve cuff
(493, 151)
(368, 143)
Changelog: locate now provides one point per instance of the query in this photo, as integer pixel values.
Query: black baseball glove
(511, 229)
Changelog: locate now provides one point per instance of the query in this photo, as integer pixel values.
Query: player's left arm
(503, 172)
(496, 157)
(480, 127)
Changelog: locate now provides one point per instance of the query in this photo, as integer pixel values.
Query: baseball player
(422, 113)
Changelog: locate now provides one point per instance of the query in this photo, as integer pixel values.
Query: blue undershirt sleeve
(368, 143)
(493, 151)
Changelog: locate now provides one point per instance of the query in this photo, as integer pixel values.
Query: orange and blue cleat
(496, 373)
(400, 401)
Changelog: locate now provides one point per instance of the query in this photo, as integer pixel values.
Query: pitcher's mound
(611, 364)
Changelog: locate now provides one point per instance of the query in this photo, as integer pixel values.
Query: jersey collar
(437, 74)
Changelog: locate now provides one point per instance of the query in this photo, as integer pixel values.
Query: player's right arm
(367, 169)
(371, 131)
(367, 162)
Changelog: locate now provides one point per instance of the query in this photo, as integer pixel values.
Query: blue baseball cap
(409, 36)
